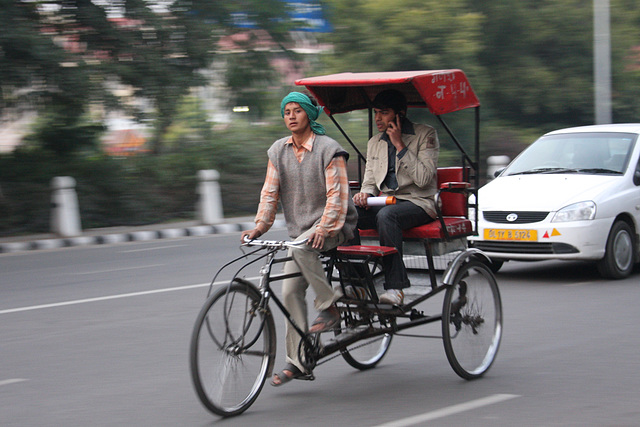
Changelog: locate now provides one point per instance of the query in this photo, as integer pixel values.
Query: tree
(373, 35)
(540, 58)
(36, 70)
(625, 28)
(73, 52)
(530, 61)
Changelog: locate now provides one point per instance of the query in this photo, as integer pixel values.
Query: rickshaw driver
(307, 172)
(402, 161)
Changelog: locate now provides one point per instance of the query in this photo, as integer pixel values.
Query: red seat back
(453, 204)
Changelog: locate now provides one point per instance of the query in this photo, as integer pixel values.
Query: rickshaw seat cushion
(454, 185)
(360, 250)
(456, 227)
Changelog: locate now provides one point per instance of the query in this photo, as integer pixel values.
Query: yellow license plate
(506, 234)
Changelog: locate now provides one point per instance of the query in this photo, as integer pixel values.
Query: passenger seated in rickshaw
(402, 161)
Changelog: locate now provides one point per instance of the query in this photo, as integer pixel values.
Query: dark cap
(390, 98)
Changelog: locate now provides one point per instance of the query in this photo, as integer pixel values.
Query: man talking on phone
(402, 161)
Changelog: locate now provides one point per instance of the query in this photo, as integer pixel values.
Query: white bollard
(209, 198)
(495, 163)
(65, 214)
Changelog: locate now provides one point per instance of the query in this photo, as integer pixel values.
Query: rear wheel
(472, 320)
(233, 347)
(619, 253)
(368, 353)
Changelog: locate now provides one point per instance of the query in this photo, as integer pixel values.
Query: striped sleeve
(269, 196)
(337, 187)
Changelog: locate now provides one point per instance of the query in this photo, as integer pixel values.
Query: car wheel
(619, 253)
(495, 265)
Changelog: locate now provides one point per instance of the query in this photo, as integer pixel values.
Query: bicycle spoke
(232, 349)
(472, 321)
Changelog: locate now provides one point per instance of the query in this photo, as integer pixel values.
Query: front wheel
(619, 253)
(472, 320)
(233, 347)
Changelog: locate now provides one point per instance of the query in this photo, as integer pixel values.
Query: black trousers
(389, 221)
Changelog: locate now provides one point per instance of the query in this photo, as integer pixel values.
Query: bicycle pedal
(307, 377)
(415, 314)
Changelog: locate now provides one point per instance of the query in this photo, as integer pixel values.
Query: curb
(132, 236)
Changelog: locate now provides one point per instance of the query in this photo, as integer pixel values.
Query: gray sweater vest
(303, 185)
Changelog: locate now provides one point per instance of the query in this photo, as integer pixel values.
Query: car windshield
(591, 153)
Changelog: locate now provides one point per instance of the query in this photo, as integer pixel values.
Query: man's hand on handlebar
(316, 240)
(252, 234)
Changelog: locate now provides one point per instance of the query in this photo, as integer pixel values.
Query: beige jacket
(416, 171)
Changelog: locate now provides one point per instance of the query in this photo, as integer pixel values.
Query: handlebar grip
(273, 243)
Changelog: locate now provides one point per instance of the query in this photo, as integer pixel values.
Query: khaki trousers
(306, 260)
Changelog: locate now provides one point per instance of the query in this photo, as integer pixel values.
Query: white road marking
(110, 297)
(449, 410)
(151, 249)
(118, 296)
(11, 381)
(119, 269)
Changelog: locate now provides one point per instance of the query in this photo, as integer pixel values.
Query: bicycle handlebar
(276, 244)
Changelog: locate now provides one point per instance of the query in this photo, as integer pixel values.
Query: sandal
(284, 378)
(326, 320)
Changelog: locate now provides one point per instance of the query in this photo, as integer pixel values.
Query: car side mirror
(636, 177)
(498, 172)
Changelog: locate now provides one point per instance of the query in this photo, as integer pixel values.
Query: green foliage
(64, 134)
(72, 54)
(190, 126)
(530, 62)
(250, 78)
(141, 189)
(405, 35)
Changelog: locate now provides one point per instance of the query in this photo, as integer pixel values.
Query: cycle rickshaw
(233, 344)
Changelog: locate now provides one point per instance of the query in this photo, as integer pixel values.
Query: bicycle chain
(348, 349)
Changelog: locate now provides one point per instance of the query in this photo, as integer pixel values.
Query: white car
(574, 194)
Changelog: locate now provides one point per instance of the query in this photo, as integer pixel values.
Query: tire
(368, 353)
(495, 265)
(472, 320)
(365, 354)
(232, 349)
(619, 253)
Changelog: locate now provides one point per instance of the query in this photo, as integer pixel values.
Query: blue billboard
(308, 12)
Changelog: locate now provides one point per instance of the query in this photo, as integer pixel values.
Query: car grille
(525, 247)
(524, 217)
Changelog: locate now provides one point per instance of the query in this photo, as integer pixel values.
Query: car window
(596, 153)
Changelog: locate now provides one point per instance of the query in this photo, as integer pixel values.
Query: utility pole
(602, 61)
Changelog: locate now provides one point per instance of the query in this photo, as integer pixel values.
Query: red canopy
(441, 91)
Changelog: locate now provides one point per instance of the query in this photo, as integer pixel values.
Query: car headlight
(577, 212)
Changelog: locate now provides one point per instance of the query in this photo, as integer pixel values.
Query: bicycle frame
(233, 344)
(409, 311)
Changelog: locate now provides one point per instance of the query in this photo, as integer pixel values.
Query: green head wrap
(312, 111)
